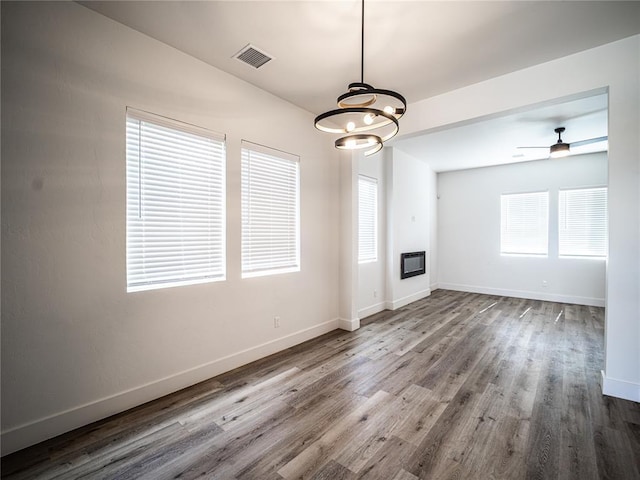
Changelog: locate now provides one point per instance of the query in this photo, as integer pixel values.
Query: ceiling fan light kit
(562, 149)
(559, 149)
(367, 115)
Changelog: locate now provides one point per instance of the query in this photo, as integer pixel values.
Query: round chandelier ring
(375, 149)
(366, 103)
(359, 86)
(356, 89)
(351, 142)
(389, 118)
(371, 140)
(396, 129)
(375, 93)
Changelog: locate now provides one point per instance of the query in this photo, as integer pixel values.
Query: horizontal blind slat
(270, 210)
(524, 223)
(175, 203)
(367, 219)
(582, 217)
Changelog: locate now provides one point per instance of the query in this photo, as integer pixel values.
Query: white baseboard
(434, 286)
(549, 297)
(349, 325)
(371, 310)
(42, 429)
(620, 388)
(401, 302)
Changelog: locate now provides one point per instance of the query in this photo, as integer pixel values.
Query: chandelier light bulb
(389, 109)
(368, 119)
(350, 126)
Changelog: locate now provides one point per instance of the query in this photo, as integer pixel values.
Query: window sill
(529, 255)
(265, 273)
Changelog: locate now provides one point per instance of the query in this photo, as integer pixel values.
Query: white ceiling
(418, 48)
(495, 141)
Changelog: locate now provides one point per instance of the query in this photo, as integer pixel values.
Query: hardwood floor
(455, 386)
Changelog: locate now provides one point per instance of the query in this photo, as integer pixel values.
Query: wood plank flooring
(455, 386)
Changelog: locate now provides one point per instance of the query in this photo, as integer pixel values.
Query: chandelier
(367, 115)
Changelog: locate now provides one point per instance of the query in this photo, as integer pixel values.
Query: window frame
(253, 267)
(542, 223)
(561, 229)
(204, 207)
(370, 255)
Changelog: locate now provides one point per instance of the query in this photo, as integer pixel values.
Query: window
(524, 223)
(270, 211)
(582, 219)
(367, 219)
(175, 203)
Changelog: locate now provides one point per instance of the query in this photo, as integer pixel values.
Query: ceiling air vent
(253, 56)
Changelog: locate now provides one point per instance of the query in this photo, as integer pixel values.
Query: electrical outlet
(276, 322)
(375, 294)
(544, 283)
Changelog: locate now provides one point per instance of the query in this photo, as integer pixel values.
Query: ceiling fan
(562, 149)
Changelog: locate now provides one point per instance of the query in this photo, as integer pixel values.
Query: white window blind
(367, 219)
(175, 203)
(524, 223)
(582, 215)
(270, 211)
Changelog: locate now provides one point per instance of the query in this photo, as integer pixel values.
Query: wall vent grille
(253, 56)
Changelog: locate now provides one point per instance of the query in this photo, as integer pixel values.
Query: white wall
(615, 67)
(75, 345)
(469, 232)
(408, 224)
(349, 319)
(372, 275)
(434, 250)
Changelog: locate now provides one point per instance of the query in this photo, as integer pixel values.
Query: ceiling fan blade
(588, 141)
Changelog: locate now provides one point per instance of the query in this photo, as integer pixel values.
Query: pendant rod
(362, 47)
